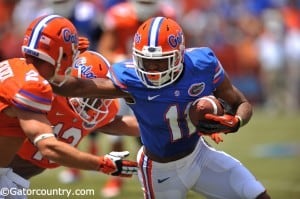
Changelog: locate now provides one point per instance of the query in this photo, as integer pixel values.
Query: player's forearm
(74, 87)
(122, 125)
(67, 155)
(245, 112)
(98, 87)
(244, 108)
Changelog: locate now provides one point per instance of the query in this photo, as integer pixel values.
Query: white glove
(113, 164)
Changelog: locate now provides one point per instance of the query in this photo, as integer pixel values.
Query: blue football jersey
(165, 127)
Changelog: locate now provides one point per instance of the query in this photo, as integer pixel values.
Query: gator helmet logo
(69, 36)
(175, 40)
(137, 38)
(85, 70)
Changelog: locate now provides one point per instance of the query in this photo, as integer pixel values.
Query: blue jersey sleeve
(117, 72)
(124, 76)
(204, 59)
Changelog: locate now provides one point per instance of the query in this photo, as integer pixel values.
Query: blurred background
(257, 42)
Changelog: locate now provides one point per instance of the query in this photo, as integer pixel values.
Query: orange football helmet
(90, 65)
(158, 41)
(54, 39)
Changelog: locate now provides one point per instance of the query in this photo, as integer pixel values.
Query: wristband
(241, 121)
(41, 137)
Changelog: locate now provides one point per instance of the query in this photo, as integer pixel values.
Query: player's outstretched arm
(37, 128)
(97, 87)
(127, 124)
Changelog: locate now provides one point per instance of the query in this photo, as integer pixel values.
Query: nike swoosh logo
(152, 97)
(162, 180)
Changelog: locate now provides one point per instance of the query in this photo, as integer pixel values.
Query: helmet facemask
(59, 79)
(90, 110)
(157, 79)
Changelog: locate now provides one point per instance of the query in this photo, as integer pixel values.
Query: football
(204, 105)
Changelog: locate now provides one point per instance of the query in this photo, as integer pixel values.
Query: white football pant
(12, 185)
(214, 174)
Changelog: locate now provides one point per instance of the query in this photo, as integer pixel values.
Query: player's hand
(219, 124)
(83, 44)
(113, 164)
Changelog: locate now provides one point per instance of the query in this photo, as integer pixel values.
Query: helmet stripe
(36, 31)
(154, 30)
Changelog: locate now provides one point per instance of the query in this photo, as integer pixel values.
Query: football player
(74, 118)
(50, 46)
(120, 23)
(162, 81)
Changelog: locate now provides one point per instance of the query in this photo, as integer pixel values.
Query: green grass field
(269, 146)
